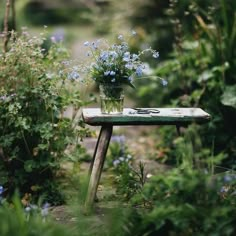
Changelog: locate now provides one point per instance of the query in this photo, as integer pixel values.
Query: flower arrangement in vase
(113, 66)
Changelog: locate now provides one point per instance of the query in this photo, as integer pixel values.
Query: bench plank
(166, 116)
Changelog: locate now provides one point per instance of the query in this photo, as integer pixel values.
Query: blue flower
(120, 37)
(112, 73)
(139, 71)
(86, 43)
(104, 56)
(126, 56)
(134, 56)
(1, 190)
(116, 162)
(113, 54)
(94, 45)
(130, 79)
(164, 82)
(113, 80)
(73, 75)
(106, 73)
(229, 178)
(129, 66)
(155, 54)
(28, 209)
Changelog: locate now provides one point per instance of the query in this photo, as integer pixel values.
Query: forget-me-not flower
(139, 71)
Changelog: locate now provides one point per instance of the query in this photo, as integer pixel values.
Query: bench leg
(94, 154)
(102, 146)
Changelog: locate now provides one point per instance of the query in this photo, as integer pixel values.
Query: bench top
(166, 116)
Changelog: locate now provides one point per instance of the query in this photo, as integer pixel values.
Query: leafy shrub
(128, 179)
(14, 221)
(184, 201)
(34, 131)
(204, 65)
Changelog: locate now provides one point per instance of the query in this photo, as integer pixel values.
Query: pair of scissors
(146, 110)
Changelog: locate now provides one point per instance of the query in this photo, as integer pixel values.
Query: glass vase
(111, 98)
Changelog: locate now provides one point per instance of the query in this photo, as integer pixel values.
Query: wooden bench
(166, 116)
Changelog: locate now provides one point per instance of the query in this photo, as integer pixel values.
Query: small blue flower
(113, 80)
(164, 82)
(104, 56)
(106, 73)
(28, 209)
(86, 43)
(126, 56)
(73, 75)
(113, 54)
(130, 79)
(112, 73)
(227, 178)
(44, 211)
(155, 54)
(134, 56)
(94, 45)
(139, 71)
(224, 189)
(120, 37)
(129, 66)
(3, 97)
(116, 163)
(1, 190)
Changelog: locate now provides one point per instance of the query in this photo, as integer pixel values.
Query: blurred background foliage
(197, 44)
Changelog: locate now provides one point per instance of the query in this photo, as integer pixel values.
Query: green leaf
(229, 96)
(28, 166)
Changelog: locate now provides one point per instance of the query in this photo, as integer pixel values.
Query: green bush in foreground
(15, 222)
(34, 132)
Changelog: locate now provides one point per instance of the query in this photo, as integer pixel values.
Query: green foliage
(129, 179)
(184, 201)
(201, 72)
(34, 131)
(14, 221)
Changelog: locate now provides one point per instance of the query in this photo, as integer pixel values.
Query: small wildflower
(113, 80)
(164, 82)
(53, 39)
(120, 37)
(139, 71)
(106, 73)
(224, 189)
(116, 163)
(133, 32)
(149, 175)
(135, 57)
(227, 178)
(86, 43)
(104, 56)
(28, 209)
(126, 56)
(129, 66)
(73, 75)
(112, 73)
(155, 54)
(1, 190)
(44, 211)
(94, 45)
(121, 158)
(130, 79)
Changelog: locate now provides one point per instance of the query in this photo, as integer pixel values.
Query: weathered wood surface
(166, 116)
(100, 154)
